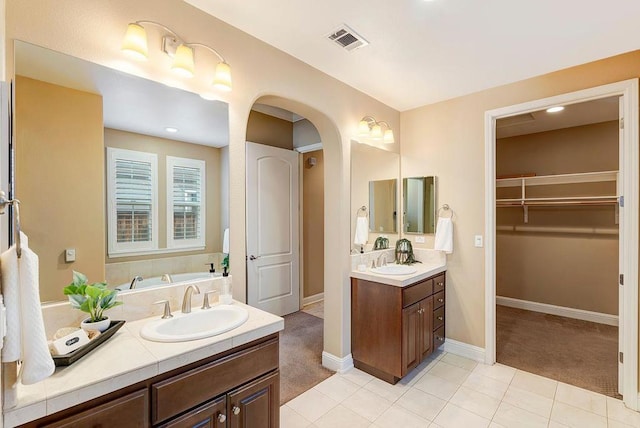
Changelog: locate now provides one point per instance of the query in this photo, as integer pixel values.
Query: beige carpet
(572, 351)
(300, 355)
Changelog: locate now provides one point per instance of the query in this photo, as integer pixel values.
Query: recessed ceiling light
(170, 129)
(555, 109)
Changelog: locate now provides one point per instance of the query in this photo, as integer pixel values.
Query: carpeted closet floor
(301, 354)
(576, 352)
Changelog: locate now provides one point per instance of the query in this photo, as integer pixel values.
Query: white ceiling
(131, 103)
(421, 52)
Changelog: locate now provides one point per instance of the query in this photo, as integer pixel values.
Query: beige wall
(94, 31)
(164, 147)
(312, 225)
(555, 263)
(269, 130)
(447, 139)
(60, 180)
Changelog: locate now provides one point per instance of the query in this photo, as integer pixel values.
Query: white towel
(362, 231)
(225, 241)
(444, 235)
(27, 340)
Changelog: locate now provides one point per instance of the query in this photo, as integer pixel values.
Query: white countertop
(126, 359)
(425, 270)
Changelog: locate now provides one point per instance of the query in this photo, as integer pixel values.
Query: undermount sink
(394, 270)
(195, 325)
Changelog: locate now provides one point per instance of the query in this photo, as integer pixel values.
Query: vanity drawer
(438, 283)
(182, 392)
(438, 318)
(417, 292)
(438, 338)
(438, 300)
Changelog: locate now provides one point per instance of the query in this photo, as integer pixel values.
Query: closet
(557, 243)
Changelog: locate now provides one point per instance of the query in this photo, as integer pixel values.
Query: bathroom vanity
(396, 322)
(230, 380)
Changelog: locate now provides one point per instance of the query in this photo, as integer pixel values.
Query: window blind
(134, 200)
(187, 202)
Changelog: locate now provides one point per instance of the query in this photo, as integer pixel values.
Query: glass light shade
(388, 136)
(222, 79)
(376, 132)
(135, 41)
(183, 63)
(363, 128)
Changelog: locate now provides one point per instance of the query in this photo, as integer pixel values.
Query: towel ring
(445, 209)
(362, 210)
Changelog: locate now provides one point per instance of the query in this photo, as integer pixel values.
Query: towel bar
(15, 204)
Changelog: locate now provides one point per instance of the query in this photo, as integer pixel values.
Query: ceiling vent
(346, 38)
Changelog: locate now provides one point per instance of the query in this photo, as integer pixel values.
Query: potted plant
(91, 298)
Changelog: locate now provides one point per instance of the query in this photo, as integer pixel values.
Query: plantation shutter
(134, 200)
(187, 200)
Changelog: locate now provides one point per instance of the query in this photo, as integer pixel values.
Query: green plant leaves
(93, 299)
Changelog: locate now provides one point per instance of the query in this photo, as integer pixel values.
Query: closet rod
(517, 203)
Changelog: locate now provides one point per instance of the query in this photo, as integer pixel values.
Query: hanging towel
(225, 241)
(28, 341)
(362, 231)
(444, 235)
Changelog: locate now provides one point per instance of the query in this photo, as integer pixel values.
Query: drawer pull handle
(440, 318)
(222, 418)
(421, 311)
(441, 283)
(236, 410)
(441, 339)
(441, 300)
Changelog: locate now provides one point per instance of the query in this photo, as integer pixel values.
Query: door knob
(222, 418)
(252, 257)
(236, 410)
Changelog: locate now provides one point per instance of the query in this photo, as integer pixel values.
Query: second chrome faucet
(186, 299)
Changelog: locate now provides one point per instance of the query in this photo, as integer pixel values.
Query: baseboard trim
(464, 350)
(337, 364)
(562, 311)
(312, 299)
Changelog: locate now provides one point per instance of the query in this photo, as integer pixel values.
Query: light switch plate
(70, 255)
(477, 241)
(419, 239)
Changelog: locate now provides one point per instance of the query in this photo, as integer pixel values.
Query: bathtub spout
(166, 278)
(135, 281)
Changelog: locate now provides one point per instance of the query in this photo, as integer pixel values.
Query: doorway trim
(629, 174)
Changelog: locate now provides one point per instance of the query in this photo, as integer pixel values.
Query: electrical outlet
(419, 239)
(477, 241)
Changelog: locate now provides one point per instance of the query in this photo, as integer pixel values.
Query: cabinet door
(426, 331)
(256, 405)
(411, 330)
(126, 412)
(210, 415)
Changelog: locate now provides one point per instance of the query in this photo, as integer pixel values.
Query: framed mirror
(125, 174)
(419, 202)
(383, 206)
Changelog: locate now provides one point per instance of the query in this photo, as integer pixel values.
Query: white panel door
(273, 245)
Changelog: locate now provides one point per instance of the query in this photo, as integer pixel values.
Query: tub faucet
(186, 299)
(135, 281)
(166, 278)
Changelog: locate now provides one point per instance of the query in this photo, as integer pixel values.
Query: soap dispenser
(226, 297)
(212, 269)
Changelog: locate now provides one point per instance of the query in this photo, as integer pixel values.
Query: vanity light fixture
(370, 127)
(182, 52)
(555, 109)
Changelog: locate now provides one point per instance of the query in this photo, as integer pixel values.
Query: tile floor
(450, 391)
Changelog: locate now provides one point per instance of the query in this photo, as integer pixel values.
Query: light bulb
(222, 79)
(376, 132)
(363, 128)
(388, 136)
(183, 62)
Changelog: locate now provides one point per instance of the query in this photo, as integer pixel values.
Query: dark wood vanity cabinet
(394, 328)
(239, 388)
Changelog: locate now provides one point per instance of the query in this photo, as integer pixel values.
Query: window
(185, 203)
(132, 201)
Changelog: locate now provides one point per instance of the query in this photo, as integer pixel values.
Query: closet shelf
(545, 180)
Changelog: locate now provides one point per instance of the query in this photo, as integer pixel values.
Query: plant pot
(99, 325)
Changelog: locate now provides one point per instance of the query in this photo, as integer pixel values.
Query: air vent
(346, 38)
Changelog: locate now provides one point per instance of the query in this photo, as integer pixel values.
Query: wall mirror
(383, 206)
(371, 164)
(129, 174)
(419, 202)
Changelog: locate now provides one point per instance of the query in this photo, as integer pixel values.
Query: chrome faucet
(166, 278)
(135, 281)
(382, 260)
(186, 299)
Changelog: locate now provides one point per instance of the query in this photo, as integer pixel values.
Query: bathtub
(157, 281)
